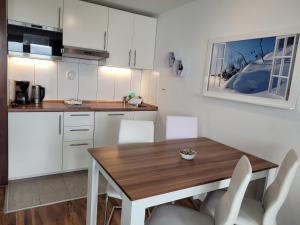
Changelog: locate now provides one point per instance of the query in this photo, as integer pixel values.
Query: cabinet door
(145, 115)
(144, 42)
(107, 126)
(75, 155)
(35, 144)
(85, 25)
(39, 12)
(120, 33)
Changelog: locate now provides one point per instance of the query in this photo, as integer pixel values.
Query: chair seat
(111, 192)
(251, 211)
(176, 215)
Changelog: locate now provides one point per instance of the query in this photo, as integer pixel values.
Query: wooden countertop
(59, 106)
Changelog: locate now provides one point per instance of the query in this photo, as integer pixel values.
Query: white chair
(180, 127)
(227, 209)
(131, 131)
(254, 212)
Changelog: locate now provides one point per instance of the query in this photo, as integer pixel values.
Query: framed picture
(261, 69)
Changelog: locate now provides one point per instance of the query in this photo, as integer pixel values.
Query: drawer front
(147, 116)
(78, 133)
(79, 119)
(75, 155)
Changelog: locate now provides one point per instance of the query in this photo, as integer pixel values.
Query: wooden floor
(67, 213)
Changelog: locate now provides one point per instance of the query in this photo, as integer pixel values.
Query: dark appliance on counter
(21, 88)
(37, 94)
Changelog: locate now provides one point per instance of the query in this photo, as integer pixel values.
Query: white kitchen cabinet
(144, 42)
(131, 40)
(120, 33)
(76, 119)
(38, 12)
(145, 115)
(75, 155)
(78, 133)
(85, 25)
(35, 144)
(78, 138)
(107, 125)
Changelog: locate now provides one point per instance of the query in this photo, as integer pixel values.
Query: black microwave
(34, 40)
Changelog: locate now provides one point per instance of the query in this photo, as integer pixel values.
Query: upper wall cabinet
(131, 40)
(144, 42)
(38, 12)
(85, 25)
(120, 33)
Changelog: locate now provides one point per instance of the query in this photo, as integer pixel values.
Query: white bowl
(188, 157)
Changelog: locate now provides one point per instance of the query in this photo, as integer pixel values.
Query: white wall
(74, 78)
(262, 131)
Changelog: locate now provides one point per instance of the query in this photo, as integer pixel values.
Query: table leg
(92, 195)
(132, 213)
(270, 178)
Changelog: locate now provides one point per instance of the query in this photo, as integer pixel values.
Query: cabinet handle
(59, 17)
(80, 115)
(118, 114)
(105, 34)
(75, 145)
(134, 58)
(79, 130)
(129, 58)
(59, 125)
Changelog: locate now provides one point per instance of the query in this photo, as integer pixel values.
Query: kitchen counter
(59, 106)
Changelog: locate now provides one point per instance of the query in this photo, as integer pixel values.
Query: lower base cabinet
(107, 126)
(43, 143)
(75, 155)
(35, 144)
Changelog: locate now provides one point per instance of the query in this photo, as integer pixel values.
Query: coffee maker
(21, 88)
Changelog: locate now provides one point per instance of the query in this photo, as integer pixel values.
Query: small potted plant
(188, 153)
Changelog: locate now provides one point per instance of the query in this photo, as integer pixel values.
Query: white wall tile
(67, 85)
(88, 82)
(46, 76)
(19, 69)
(136, 78)
(122, 84)
(149, 86)
(106, 84)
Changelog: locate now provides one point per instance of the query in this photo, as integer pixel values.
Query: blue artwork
(261, 67)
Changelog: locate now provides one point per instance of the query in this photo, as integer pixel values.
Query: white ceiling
(147, 7)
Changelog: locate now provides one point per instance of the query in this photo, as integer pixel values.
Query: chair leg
(148, 211)
(111, 215)
(105, 210)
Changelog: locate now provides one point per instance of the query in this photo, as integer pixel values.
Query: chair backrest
(134, 131)
(277, 192)
(229, 206)
(180, 127)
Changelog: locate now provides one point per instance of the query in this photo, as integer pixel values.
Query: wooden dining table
(151, 174)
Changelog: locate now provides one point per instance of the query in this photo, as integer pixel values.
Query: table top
(145, 170)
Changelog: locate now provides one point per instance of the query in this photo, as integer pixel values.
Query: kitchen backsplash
(82, 79)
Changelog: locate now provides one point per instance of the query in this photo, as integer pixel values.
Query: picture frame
(234, 83)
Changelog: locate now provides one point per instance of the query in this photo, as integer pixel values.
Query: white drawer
(78, 133)
(75, 155)
(145, 115)
(78, 119)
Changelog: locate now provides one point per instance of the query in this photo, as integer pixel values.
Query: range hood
(83, 53)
